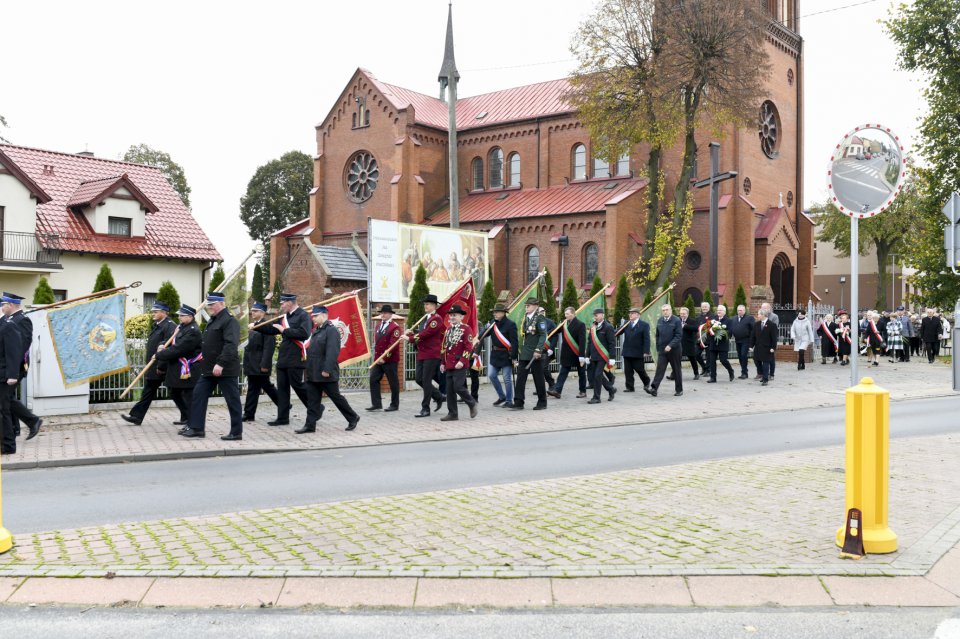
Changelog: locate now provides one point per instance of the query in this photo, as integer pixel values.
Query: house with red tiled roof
(531, 178)
(62, 215)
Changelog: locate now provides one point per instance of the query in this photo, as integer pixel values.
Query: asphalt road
(105, 623)
(56, 498)
(859, 183)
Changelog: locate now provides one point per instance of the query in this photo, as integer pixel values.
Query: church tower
(449, 77)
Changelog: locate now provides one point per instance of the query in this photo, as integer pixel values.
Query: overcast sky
(226, 87)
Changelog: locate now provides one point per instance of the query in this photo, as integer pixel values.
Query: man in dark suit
(323, 373)
(219, 366)
(11, 355)
(180, 359)
(600, 351)
(719, 346)
(572, 347)
(550, 349)
(742, 332)
(387, 333)
(701, 346)
(668, 350)
(257, 364)
(636, 346)
(161, 331)
(13, 312)
(765, 344)
(930, 329)
(295, 327)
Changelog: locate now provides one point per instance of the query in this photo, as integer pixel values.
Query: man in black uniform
(180, 359)
(572, 347)
(550, 350)
(323, 373)
(11, 354)
(219, 366)
(295, 327)
(257, 364)
(163, 328)
(636, 347)
(13, 313)
(600, 349)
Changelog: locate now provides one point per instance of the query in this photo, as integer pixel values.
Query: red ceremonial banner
(466, 298)
(347, 316)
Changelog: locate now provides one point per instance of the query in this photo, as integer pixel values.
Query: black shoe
(540, 407)
(230, 437)
(189, 432)
(474, 411)
(373, 408)
(440, 402)
(593, 400)
(249, 419)
(8, 451)
(695, 377)
(759, 377)
(130, 420)
(390, 409)
(581, 395)
(553, 393)
(731, 376)
(711, 381)
(34, 428)
(306, 429)
(764, 383)
(182, 430)
(352, 425)
(423, 413)
(651, 391)
(500, 401)
(180, 422)
(278, 423)
(613, 391)
(678, 394)
(628, 390)
(670, 377)
(514, 406)
(744, 376)
(449, 418)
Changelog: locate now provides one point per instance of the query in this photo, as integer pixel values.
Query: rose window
(769, 129)
(362, 176)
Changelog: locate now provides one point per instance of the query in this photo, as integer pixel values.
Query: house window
(476, 168)
(591, 262)
(533, 263)
(149, 299)
(118, 226)
(59, 294)
(495, 163)
(514, 164)
(601, 168)
(623, 164)
(579, 162)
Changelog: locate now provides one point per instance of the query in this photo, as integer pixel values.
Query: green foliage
(418, 291)
(648, 298)
(487, 300)
(168, 295)
(739, 298)
(621, 305)
(596, 287)
(137, 326)
(43, 294)
(277, 290)
(690, 304)
(235, 291)
(277, 195)
(256, 287)
(708, 297)
(104, 279)
(143, 154)
(571, 296)
(217, 279)
(549, 299)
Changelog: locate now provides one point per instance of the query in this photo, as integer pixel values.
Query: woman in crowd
(873, 339)
(844, 341)
(802, 333)
(915, 341)
(828, 339)
(894, 340)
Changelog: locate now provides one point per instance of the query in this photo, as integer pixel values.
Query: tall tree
(739, 298)
(487, 300)
(418, 291)
(549, 300)
(168, 295)
(104, 279)
(571, 296)
(653, 72)
(143, 154)
(277, 195)
(708, 298)
(256, 288)
(217, 278)
(277, 290)
(691, 305)
(621, 304)
(43, 294)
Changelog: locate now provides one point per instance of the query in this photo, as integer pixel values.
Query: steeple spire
(449, 77)
(448, 70)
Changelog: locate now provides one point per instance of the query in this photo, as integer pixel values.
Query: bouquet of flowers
(715, 329)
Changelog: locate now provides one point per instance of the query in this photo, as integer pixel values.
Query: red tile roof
(585, 197)
(93, 192)
(768, 224)
(509, 105)
(171, 231)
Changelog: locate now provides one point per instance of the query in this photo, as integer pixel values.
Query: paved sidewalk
(102, 437)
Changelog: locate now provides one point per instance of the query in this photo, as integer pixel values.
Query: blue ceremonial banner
(88, 339)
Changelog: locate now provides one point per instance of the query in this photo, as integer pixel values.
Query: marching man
(295, 327)
(388, 333)
(600, 345)
(257, 364)
(457, 351)
(323, 373)
(428, 340)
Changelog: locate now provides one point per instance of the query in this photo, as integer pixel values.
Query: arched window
(693, 293)
(579, 162)
(366, 118)
(533, 263)
(601, 168)
(514, 163)
(495, 164)
(354, 120)
(476, 170)
(591, 261)
(623, 164)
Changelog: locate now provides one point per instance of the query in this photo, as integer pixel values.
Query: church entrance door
(781, 279)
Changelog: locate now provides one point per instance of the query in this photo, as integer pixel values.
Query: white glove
(583, 361)
(613, 362)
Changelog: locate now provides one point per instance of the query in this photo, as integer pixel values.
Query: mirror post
(854, 301)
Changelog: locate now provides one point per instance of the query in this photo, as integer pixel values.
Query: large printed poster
(448, 255)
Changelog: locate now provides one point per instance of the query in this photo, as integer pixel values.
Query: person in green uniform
(534, 332)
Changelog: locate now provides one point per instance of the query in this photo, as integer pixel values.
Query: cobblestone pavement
(769, 514)
(104, 437)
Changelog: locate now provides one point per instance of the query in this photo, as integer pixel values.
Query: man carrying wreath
(717, 332)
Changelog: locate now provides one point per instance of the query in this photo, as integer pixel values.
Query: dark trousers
(388, 369)
(743, 354)
(457, 385)
(664, 358)
(933, 349)
(474, 384)
(772, 367)
(702, 360)
(150, 388)
(712, 358)
(547, 375)
(255, 384)
(695, 364)
(523, 370)
(19, 409)
(425, 372)
(287, 378)
(230, 387)
(562, 378)
(915, 346)
(635, 364)
(315, 393)
(765, 367)
(183, 399)
(598, 373)
(8, 440)
(801, 356)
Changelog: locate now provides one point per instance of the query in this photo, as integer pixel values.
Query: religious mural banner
(448, 255)
(347, 316)
(88, 339)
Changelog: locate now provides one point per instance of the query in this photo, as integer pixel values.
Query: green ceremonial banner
(651, 314)
(517, 311)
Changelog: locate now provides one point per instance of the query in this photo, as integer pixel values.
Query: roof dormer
(113, 206)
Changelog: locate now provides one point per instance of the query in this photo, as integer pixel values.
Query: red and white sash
(303, 346)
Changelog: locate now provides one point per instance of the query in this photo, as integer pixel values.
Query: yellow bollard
(868, 464)
(6, 539)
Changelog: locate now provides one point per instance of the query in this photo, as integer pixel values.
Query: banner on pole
(347, 316)
(466, 296)
(88, 339)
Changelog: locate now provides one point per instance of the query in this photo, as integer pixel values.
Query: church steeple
(448, 70)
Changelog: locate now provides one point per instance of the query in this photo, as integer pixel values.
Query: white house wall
(20, 209)
(99, 216)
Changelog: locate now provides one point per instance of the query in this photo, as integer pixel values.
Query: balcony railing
(26, 248)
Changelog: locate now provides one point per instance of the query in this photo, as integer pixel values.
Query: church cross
(714, 183)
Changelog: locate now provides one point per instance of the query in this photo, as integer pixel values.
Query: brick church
(528, 175)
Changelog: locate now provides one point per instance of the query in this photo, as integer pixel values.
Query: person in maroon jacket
(386, 335)
(457, 352)
(428, 339)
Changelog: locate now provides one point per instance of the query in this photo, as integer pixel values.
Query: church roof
(775, 218)
(583, 197)
(342, 263)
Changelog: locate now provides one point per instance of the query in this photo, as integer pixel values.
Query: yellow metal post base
(6, 540)
(879, 541)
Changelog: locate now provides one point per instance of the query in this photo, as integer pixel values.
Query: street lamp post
(893, 281)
